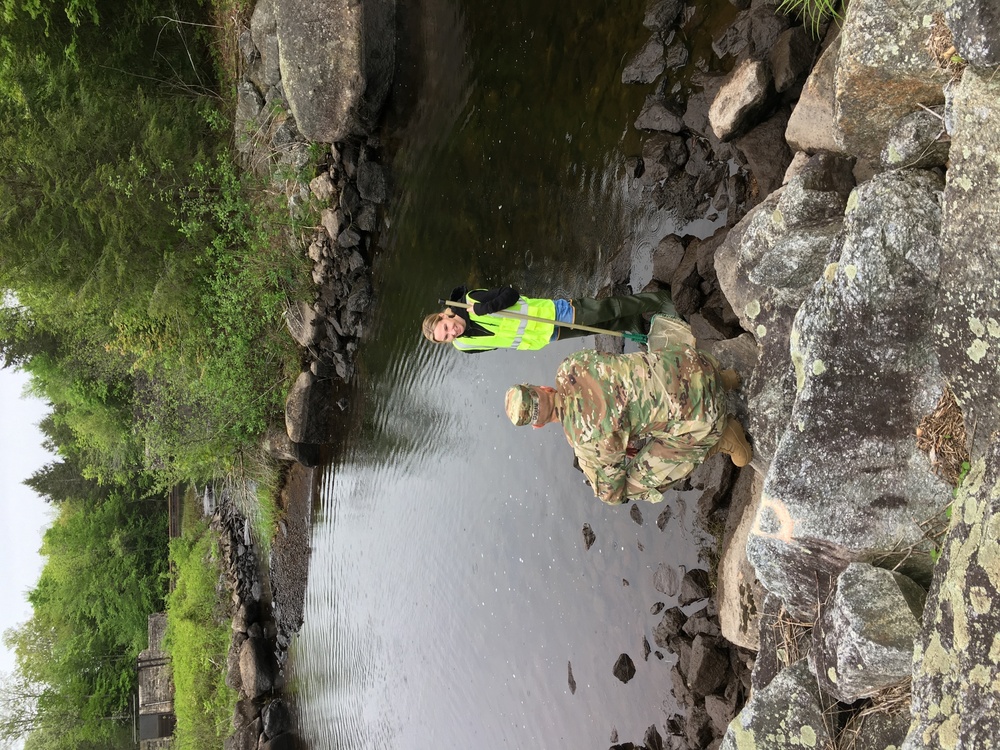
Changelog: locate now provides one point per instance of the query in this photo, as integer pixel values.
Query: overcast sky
(23, 514)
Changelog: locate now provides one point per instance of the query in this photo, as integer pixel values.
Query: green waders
(617, 313)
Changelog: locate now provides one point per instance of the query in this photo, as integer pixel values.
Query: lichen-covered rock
(956, 675)
(917, 141)
(883, 70)
(785, 715)
(880, 730)
(975, 28)
(847, 481)
(337, 59)
(969, 305)
(863, 642)
(766, 267)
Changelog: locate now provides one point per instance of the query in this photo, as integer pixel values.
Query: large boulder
(884, 70)
(848, 482)
(786, 715)
(766, 267)
(744, 95)
(863, 642)
(957, 659)
(738, 594)
(337, 59)
(969, 305)
(811, 127)
(256, 668)
(308, 409)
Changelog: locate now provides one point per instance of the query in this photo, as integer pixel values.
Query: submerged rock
(624, 668)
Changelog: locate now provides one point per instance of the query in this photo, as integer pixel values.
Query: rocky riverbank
(853, 286)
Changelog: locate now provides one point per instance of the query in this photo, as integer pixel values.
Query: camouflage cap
(521, 404)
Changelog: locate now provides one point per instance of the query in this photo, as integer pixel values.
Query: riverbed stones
(766, 152)
(301, 320)
(666, 580)
(307, 409)
(738, 594)
(709, 666)
(812, 127)
(256, 670)
(647, 64)
(244, 738)
(655, 115)
(791, 57)
(661, 15)
(276, 717)
(694, 587)
(624, 668)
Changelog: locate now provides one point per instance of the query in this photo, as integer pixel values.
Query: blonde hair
(427, 327)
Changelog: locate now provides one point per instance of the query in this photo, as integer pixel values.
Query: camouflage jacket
(609, 399)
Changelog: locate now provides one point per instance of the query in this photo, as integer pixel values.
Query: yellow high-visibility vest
(512, 333)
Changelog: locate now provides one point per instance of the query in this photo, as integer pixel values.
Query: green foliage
(147, 291)
(962, 474)
(198, 637)
(103, 575)
(814, 13)
(143, 293)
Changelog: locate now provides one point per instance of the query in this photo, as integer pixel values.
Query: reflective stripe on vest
(512, 333)
(522, 308)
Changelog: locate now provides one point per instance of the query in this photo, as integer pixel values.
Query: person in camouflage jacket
(637, 422)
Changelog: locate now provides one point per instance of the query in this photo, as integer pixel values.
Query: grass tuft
(814, 13)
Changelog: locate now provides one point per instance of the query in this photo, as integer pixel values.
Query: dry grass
(892, 701)
(941, 435)
(792, 636)
(941, 47)
(230, 18)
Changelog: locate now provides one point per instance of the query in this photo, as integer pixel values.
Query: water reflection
(449, 585)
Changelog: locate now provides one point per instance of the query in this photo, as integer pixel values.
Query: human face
(448, 328)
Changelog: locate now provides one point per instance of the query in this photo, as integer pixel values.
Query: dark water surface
(449, 586)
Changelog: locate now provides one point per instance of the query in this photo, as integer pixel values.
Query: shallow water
(449, 587)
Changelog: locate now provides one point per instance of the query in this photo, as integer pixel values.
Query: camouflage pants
(669, 457)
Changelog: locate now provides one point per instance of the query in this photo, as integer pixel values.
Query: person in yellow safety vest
(476, 330)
